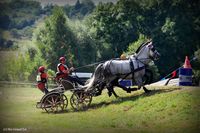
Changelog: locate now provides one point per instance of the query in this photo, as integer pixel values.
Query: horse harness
(133, 70)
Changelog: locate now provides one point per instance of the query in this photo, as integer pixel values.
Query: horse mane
(141, 46)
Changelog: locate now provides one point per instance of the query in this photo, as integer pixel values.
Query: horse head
(147, 53)
(153, 53)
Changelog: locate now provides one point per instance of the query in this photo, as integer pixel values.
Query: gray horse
(108, 74)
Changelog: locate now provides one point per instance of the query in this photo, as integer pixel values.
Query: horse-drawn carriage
(56, 101)
(107, 76)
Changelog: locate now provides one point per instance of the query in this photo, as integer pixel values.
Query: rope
(89, 65)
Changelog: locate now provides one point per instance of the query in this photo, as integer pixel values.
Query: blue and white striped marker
(185, 76)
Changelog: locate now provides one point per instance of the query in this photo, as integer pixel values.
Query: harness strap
(131, 65)
(138, 69)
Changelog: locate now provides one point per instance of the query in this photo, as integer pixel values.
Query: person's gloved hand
(72, 69)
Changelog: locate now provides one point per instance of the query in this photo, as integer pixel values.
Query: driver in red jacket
(64, 72)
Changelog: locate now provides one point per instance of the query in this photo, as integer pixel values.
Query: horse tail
(96, 77)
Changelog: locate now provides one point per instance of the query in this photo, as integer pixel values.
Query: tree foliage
(114, 31)
(173, 25)
(56, 39)
(95, 33)
(16, 66)
(19, 13)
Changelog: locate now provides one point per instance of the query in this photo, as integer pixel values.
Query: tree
(196, 67)
(114, 31)
(173, 26)
(85, 51)
(56, 39)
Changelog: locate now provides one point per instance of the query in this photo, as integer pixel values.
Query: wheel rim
(80, 100)
(54, 103)
(64, 102)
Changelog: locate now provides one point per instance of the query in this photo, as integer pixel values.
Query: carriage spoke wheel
(55, 103)
(64, 102)
(80, 100)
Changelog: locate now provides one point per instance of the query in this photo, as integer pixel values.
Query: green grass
(165, 109)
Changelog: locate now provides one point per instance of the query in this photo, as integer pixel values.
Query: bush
(196, 68)
(18, 66)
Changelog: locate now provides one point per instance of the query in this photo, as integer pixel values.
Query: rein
(140, 60)
(89, 65)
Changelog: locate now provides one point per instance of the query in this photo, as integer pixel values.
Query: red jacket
(41, 79)
(63, 71)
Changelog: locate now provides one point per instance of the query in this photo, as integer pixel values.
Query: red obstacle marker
(187, 63)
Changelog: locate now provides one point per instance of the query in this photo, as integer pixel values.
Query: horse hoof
(128, 91)
(147, 91)
(119, 98)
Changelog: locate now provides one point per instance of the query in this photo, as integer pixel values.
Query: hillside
(70, 2)
(174, 109)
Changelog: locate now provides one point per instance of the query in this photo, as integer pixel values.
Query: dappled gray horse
(108, 74)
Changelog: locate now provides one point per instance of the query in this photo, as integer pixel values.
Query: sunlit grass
(165, 109)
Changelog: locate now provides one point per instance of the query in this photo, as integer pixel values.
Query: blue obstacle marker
(185, 76)
(126, 82)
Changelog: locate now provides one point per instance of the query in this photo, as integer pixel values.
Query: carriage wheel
(64, 102)
(80, 100)
(55, 103)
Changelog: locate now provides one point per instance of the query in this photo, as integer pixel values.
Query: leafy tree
(171, 24)
(173, 27)
(19, 13)
(56, 39)
(196, 67)
(135, 45)
(16, 66)
(113, 31)
(85, 51)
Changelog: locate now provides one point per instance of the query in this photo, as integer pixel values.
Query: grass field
(165, 109)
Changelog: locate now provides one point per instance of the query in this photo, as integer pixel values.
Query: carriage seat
(67, 84)
(59, 75)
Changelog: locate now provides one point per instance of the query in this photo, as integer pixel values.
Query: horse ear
(150, 45)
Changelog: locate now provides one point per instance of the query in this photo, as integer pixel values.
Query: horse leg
(100, 87)
(111, 91)
(146, 90)
(140, 84)
(128, 90)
